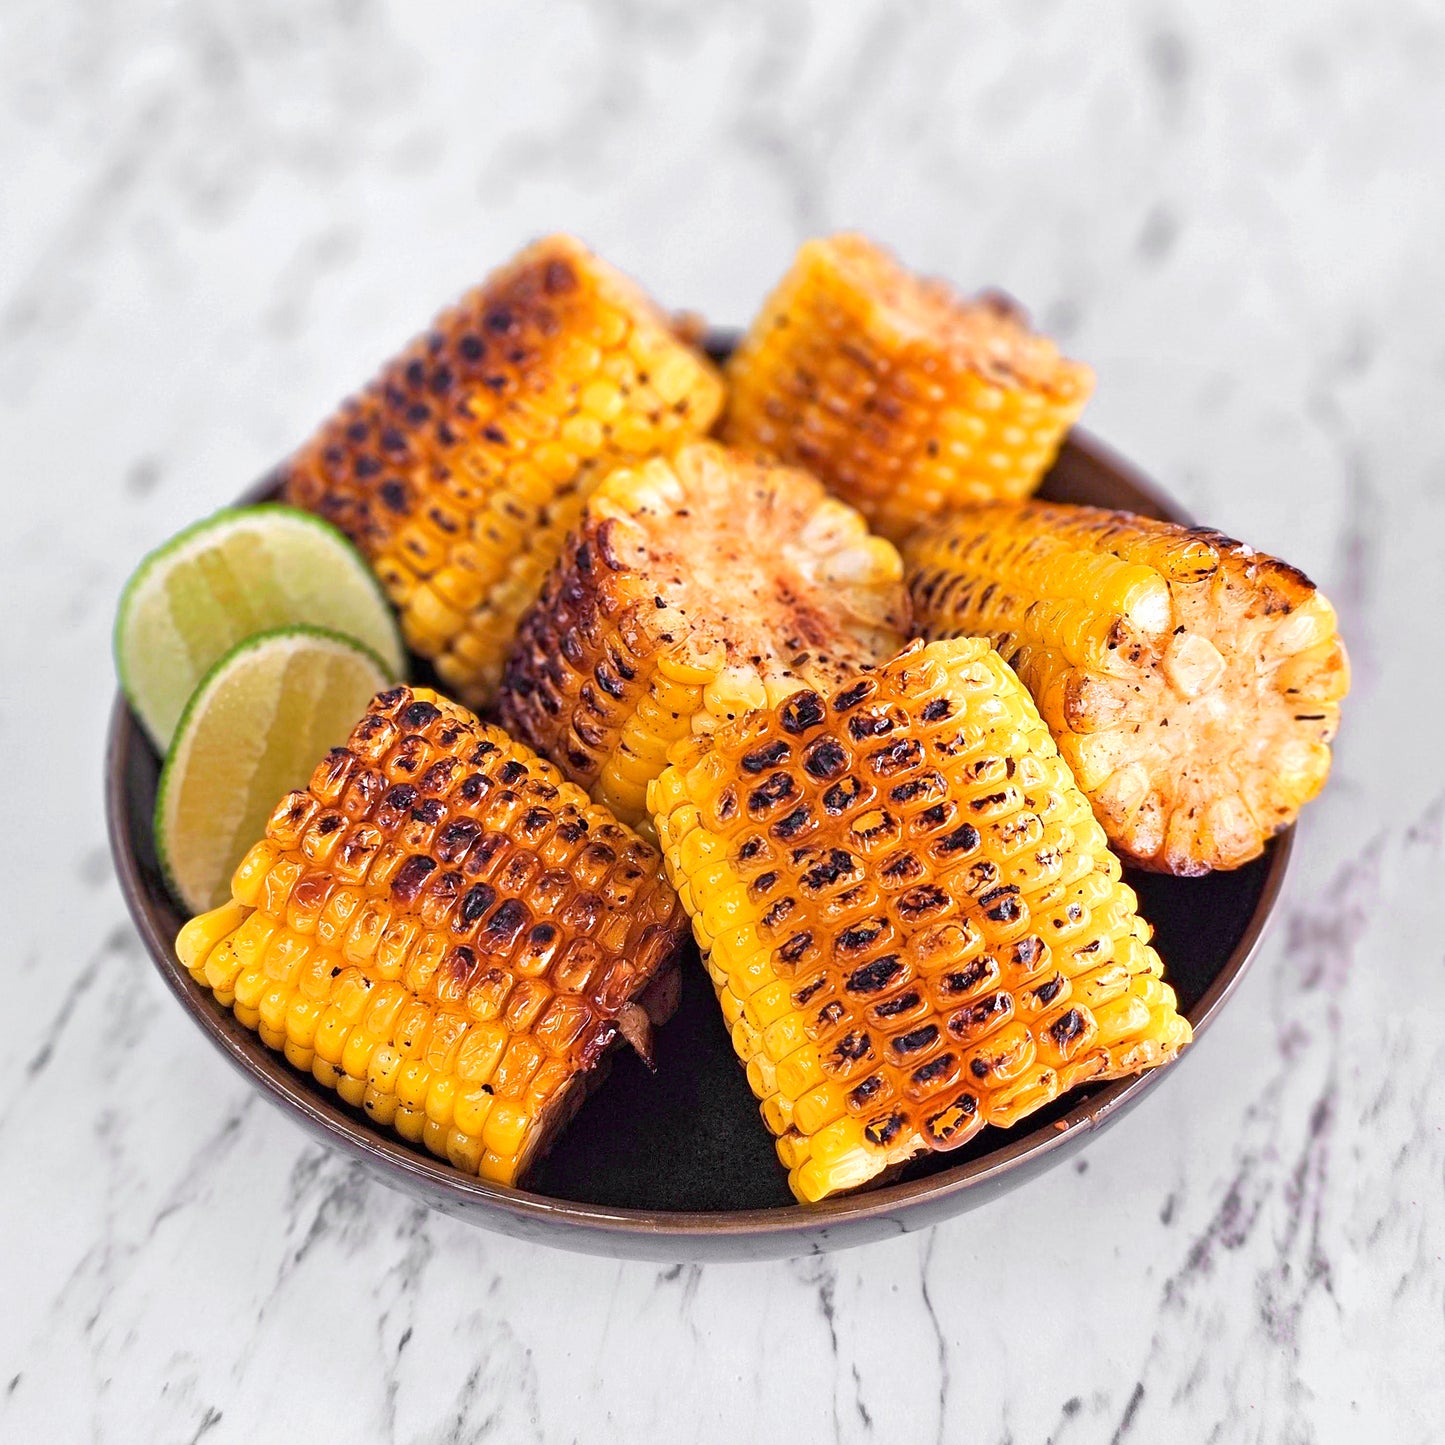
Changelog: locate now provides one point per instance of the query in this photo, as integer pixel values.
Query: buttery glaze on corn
(899, 394)
(461, 467)
(446, 932)
(912, 920)
(1192, 683)
(698, 586)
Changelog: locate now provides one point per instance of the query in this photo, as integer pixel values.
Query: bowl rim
(401, 1164)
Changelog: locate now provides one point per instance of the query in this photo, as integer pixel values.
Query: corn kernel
(505, 1127)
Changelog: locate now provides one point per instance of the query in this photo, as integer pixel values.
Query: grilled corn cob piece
(899, 394)
(697, 587)
(1192, 683)
(911, 918)
(461, 467)
(445, 932)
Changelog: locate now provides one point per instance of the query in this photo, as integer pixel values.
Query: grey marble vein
(215, 217)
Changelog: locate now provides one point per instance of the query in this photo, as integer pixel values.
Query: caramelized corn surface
(461, 467)
(698, 586)
(444, 931)
(911, 918)
(899, 394)
(1192, 683)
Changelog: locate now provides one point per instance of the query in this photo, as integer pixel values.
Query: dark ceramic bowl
(677, 1164)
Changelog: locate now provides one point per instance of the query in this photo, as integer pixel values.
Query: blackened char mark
(915, 1040)
(1002, 904)
(502, 928)
(836, 864)
(870, 978)
(789, 827)
(826, 759)
(775, 789)
(850, 697)
(802, 711)
(419, 715)
(906, 1002)
(852, 1047)
(883, 1131)
(769, 755)
(475, 903)
(411, 878)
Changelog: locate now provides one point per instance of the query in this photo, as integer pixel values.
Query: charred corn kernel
(892, 986)
(474, 987)
(1191, 683)
(697, 587)
(902, 396)
(461, 467)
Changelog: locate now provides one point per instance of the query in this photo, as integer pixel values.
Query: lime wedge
(240, 572)
(256, 727)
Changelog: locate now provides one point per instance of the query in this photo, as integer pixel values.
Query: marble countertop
(215, 217)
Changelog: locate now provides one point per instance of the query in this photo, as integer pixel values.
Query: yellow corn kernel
(299, 1056)
(412, 1081)
(410, 1123)
(463, 1151)
(251, 984)
(332, 1031)
(471, 1107)
(200, 936)
(379, 1105)
(505, 1128)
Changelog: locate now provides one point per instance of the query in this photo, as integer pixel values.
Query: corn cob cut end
(445, 932)
(1192, 683)
(912, 921)
(461, 467)
(901, 395)
(699, 586)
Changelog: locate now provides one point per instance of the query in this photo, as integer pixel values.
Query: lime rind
(208, 684)
(384, 636)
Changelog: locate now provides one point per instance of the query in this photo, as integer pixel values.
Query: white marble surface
(214, 216)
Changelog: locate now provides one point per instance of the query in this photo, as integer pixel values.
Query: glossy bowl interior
(677, 1164)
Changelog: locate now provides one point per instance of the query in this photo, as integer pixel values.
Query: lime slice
(240, 572)
(258, 724)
